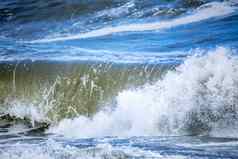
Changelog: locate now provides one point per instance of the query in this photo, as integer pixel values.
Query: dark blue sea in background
(118, 31)
(117, 79)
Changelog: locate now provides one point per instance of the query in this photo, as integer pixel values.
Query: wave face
(48, 92)
(198, 97)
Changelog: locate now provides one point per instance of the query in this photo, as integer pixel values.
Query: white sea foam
(210, 10)
(117, 11)
(25, 110)
(55, 150)
(30, 110)
(206, 84)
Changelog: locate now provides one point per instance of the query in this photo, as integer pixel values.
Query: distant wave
(82, 54)
(209, 10)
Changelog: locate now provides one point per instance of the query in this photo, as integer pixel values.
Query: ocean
(119, 79)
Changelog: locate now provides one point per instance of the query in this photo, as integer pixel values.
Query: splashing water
(196, 98)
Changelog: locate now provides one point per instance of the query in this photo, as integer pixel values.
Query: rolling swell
(63, 18)
(33, 10)
(206, 11)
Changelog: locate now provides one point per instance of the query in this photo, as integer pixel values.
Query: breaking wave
(200, 97)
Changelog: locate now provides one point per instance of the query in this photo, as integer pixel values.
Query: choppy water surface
(118, 79)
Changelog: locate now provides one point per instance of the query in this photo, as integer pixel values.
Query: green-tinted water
(63, 90)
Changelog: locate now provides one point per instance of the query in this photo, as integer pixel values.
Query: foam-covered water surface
(117, 148)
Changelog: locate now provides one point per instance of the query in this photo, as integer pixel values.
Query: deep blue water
(25, 23)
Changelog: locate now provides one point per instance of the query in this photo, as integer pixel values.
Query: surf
(198, 98)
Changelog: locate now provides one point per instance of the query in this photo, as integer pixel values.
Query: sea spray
(197, 97)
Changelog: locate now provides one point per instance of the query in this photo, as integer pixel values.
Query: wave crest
(198, 97)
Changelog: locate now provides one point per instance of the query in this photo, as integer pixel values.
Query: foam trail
(210, 10)
(195, 98)
(52, 149)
